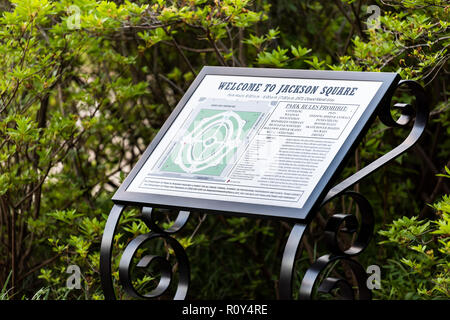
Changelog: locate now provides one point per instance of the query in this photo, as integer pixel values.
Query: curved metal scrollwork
(126, 265)
(337, 223)
(312, 277)
(149, 219)
(408, 113)
(351, 226)
(166, 269)
(364, 228)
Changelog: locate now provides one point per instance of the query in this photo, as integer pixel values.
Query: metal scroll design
(337, 223)
(126, 265)
(407, 115)
(364, 228)
(338, 254)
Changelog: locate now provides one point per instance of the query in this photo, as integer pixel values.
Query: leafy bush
(421, 265)
(86, 85)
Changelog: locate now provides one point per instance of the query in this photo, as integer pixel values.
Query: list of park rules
(257, 140)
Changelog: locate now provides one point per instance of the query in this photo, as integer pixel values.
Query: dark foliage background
(85, 85)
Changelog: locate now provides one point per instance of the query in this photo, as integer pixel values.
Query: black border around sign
(389, 81)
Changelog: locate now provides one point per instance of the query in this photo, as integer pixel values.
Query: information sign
(256, 141)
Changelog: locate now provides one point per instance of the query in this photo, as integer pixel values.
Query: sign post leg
(125, 265)
(106, 251)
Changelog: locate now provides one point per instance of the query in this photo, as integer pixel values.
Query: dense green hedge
(85, 85)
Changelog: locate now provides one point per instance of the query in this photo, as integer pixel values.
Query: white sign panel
(256, 140)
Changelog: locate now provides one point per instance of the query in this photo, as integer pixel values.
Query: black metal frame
(380, 106)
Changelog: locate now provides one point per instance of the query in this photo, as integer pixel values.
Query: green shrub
(84, 89)
(421, 265)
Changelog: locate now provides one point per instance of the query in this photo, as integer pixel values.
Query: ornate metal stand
(131, 250)
(312, 277)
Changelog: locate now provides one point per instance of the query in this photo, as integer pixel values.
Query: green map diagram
(210, 142)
